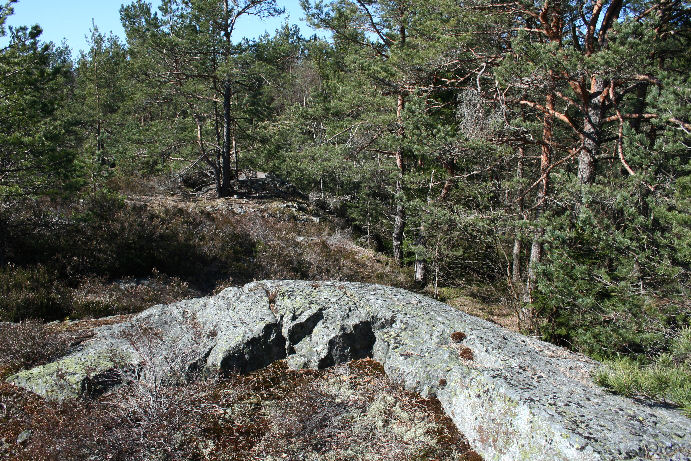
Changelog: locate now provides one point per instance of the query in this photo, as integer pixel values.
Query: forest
(534, 151)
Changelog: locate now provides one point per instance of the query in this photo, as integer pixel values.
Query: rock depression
(514, 397)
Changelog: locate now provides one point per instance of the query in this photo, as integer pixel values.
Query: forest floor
(206, 244)
(275, 214)
(296, 239)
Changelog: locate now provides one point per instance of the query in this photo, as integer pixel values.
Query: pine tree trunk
(236, 154)
(516, 262)
(517, 243)
(536, 247)
(215, 166)
(421, 272)
(535, 257)
(399, 220)
(227, 94)
(592, 131)
(225, 153)
(99, 145)
(421, 259)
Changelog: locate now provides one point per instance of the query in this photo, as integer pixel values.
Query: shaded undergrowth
(106, 255)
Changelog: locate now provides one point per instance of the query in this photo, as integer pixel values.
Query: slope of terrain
(114, 255)
(514, 397)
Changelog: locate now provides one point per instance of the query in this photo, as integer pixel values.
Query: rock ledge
(513, 397)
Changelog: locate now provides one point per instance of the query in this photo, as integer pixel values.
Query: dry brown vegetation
(458, 336)
(350, 412)
(108, 255)
(28, 344)
(483, 302)
(111, 255)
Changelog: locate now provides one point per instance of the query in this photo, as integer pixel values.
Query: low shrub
(32, 292)
(28, 344)
(105, 255)
(98, 297)
(273, 413)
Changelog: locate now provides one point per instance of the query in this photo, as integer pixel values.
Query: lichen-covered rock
(514, 397)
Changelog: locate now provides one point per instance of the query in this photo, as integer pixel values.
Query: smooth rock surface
(517, 398)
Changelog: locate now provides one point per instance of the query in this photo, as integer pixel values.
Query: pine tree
(188, 50)
(37, 138)
(101, 93)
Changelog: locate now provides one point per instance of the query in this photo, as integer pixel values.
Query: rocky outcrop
(514, 397)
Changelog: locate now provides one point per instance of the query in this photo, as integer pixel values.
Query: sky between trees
(71, 20)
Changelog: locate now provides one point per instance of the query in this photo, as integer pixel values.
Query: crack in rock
(300, 330)
(258, 352)
(349, 345)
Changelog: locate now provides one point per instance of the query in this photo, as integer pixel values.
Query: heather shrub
(105, 255)
(29, 343)
(32, 292)
(99, 297)
(273, 413)
(130, 257)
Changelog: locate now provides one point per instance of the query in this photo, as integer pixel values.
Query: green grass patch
(667, 379)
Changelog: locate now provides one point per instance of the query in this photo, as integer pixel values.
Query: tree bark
(400, 218)
(516, 262)
(399, 223)
(421, 255)
(213, 164)
(517, 243)
(536, 247)
(420, 270)
(592, 134)
(227, 119)
(535, 258)
(235, 153)
(227, 142)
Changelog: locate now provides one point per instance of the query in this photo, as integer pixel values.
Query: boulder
(513, 397)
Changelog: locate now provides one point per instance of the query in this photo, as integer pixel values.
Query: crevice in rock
(98, 384)
(197, 367)
(350, 345)
(299, 331)
(258, 352)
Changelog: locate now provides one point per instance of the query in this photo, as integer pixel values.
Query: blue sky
(71, 19)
